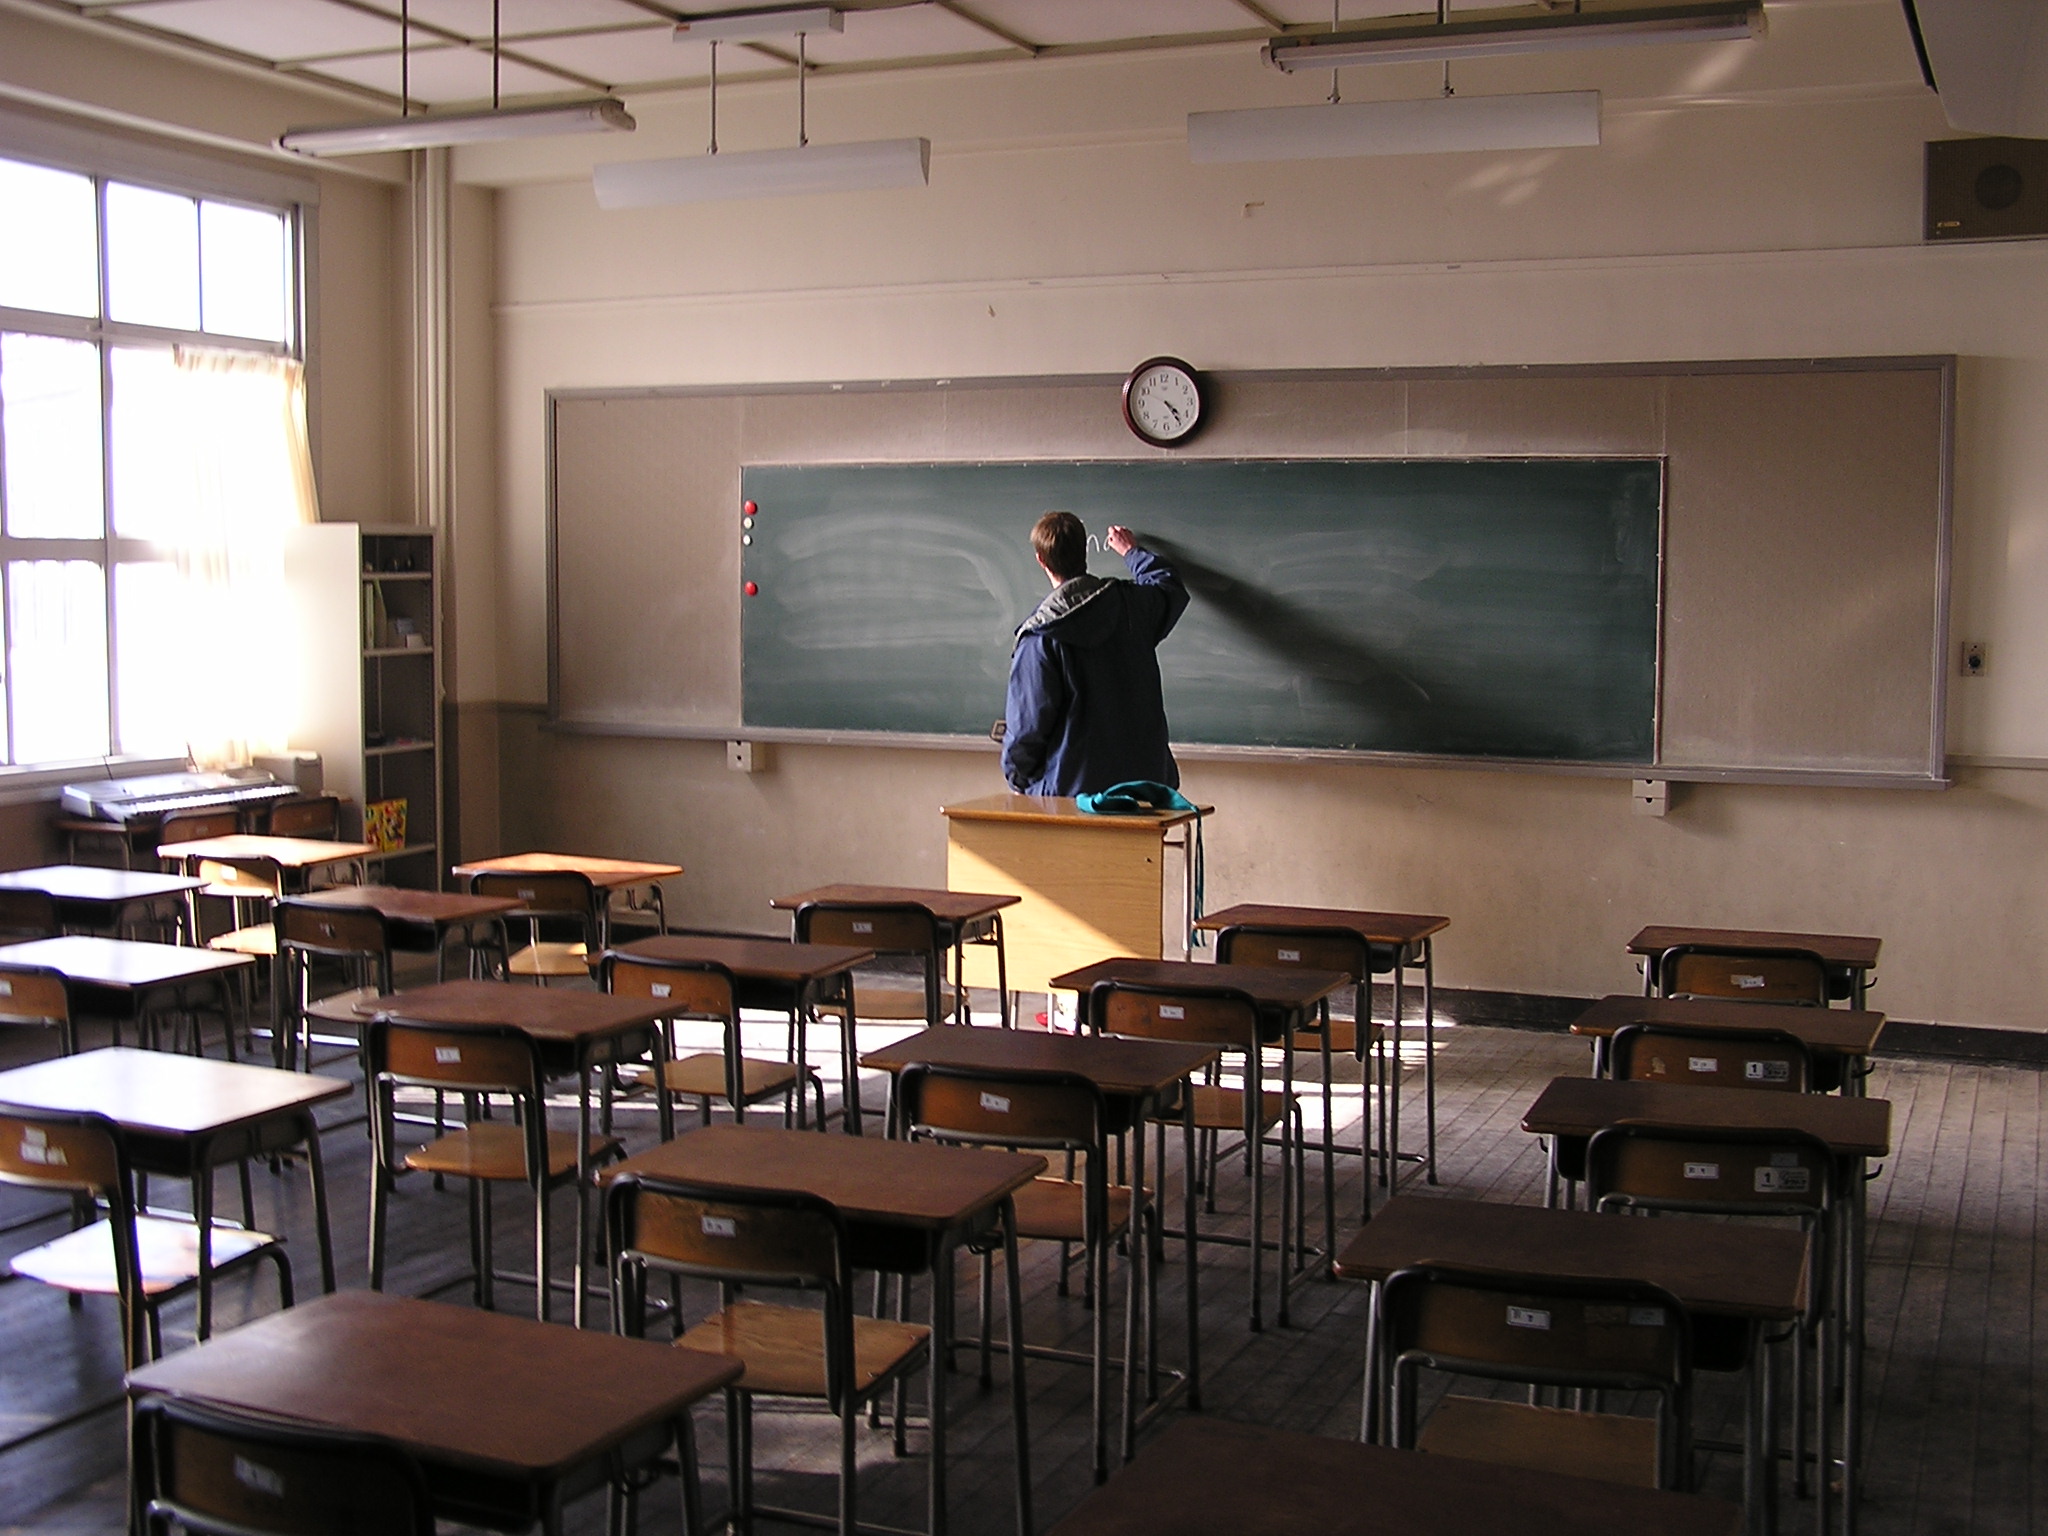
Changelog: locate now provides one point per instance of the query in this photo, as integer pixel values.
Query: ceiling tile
(1050, 22)
(270, 29)
(912, 32)
(517, 18)
(621, 58)
(443, 75)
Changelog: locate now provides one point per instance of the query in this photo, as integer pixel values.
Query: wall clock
(1163, 401)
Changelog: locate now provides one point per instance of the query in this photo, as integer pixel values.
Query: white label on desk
(1767, 1071)
(660, 989)
(1708, 1171)
(36, 1148)
(1528, 1317)
(1783, 1181)
(720, 1226)
(6, 989)
(447, 1055)
(1702, 1063)
(860, 927)
(1291, 954)
(1172, 1011)
(1646, 1317)
(252, 1474)
(995, 1103)
(526, 895)
(1747, 983)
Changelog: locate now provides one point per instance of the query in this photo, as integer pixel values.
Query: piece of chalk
(751, 589)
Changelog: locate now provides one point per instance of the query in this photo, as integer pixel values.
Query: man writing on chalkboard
(1085, 709)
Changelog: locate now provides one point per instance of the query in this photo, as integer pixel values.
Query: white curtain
(244, 421)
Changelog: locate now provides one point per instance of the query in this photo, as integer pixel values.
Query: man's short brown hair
(1061, 543)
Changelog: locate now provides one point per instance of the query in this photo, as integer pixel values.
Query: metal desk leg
(1369, 1412)
(580, 1270)
(202, 1217)
(1005, 1004)
(935, 1379)
(1393, 1142)
(1852, 1346)
(316, 1172)
(1330, 1153)
(1429, 1055)
(1019, 1399)
(1290, 1154)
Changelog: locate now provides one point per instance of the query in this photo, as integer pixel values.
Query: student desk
(908, 1207)
(576, 1032)
(97, 900)
(1844, 1036)
(1136, 1078)
(422, 920)
(1854, 1130)
(1849, 959)
(775, 975)
(1757, 1274)
(182, 1117)
(1208, 1475)
(293, 857)
(1087, 886)
(1398, 942)
(606, 875)
(963, 918)
(1285, 1001)
(510, 1419)
(138, 979)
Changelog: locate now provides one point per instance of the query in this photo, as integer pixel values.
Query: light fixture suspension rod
(494, 55)
(1443, 18)
(803, 131)
(405, 58)
(714, 96)
(1337, 25)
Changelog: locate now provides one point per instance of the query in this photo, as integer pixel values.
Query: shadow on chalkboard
(1310, 645)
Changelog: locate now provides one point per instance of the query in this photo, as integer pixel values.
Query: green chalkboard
(1473, 608)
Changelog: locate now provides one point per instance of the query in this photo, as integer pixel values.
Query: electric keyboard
(161, 794)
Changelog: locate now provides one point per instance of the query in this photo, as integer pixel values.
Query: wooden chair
(143, 1261)
(707, 990)
(198, 826)
(475, 1063)
(1797, 976)
(304, 935)
(1045, 1112)
(28, 915)
(1615, 1335)
(1706, 1056)
(763, 1240)
(559, 910)
(205, 1470)
(1229, 1019)
(894, 931)
(318, 816)
(36, 997)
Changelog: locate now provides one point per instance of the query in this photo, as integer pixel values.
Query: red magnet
(749, 508)
(752, 590)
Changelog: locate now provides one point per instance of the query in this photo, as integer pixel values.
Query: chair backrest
(320, 928)
(888, 928)
(74, 1153)
(1699, 1054)
(1220, 1017)
(493, 1060)
(694, 989)
(1746, 975)
(319, 816)
(541, 893)
(192, 826)
(28, 915)
(224, 1474)
(33, 994)
(1057, 1111)
(1313, 949)
(1710, 1170)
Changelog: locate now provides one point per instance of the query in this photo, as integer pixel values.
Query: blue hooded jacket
(1085, 709)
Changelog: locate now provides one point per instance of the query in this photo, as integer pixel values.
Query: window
(101, 282)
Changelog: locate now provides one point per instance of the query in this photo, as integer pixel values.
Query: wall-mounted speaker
(1987, 189)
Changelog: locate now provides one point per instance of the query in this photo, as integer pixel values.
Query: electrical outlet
(747, 756)
(1976, 658)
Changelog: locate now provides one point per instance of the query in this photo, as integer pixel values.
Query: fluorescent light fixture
(765, 173)
(1719, 20)
(429, 131)
(747, 26)
(1432, 125)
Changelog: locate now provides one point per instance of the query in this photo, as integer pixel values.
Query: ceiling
(552, 48)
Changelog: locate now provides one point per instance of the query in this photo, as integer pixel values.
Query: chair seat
(1343, 1038)
(893, 997)
(232, 884)
(550, 959)
(258, 939)
(703, 1076)
(84, 1260)
(496, 1150)
(784, 1347)
(1607, 1447)
(344, 1007)
(1053, 1210)
(1222, 1109)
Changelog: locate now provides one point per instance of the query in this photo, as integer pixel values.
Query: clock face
(1163, 401)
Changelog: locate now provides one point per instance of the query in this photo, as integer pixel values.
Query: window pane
(58, 663)
(152, 257)
(153, 486)
(49, 259)
(50, 436)
(243, 272)
(148, 659)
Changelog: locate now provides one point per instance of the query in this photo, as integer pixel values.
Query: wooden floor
(1956, 1363)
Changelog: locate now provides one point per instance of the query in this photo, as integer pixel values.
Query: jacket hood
(1072, 614)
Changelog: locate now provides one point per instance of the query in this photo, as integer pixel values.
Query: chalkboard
(1488, 608)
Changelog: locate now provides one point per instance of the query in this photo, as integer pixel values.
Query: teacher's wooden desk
(1088, 886)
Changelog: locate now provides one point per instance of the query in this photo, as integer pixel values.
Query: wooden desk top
(1268, 987)
(1580, 1106)
(164, 1094)
(892, 1183)
(753, 959)
(1118, 1067)
(1063, 811)
(1373, 927)
(88, 882)
(1837, 1031)
(1206, 1475)
(548, 1014)
(285, 852)
(1719, 1267)
(483, 1390)
(122, 963)
(612, 874)
(1856, 954)
(947, 906)
(436, 909)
